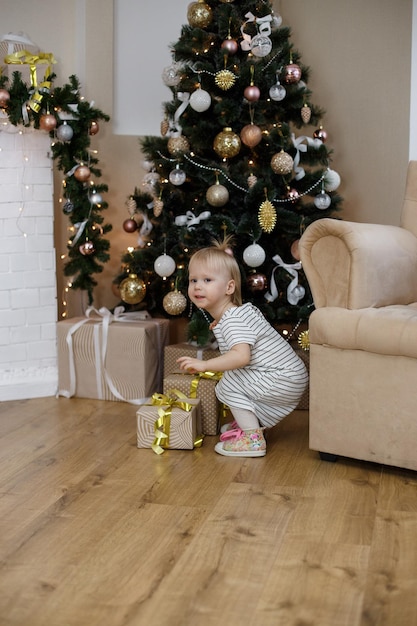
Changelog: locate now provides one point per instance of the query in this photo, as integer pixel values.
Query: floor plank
(95, 531)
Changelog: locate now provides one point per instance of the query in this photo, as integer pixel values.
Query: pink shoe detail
(242, 443)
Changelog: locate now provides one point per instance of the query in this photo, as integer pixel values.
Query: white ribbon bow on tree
(264, 24)
(175, 129)
(295, 292)
(300, 147)
(190, 220)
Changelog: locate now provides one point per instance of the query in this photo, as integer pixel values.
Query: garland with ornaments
(71, 122)
(231, 159)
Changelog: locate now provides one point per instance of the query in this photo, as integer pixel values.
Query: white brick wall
(28, 306)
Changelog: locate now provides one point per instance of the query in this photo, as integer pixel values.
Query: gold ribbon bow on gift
(23, 57)
(210, 376)
(166, 402)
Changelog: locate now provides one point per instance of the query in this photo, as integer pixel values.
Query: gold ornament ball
(82, 173)
(178, 145)
(87, 248)
(4, 98)
(174, 303)
(199, 14)
(132, 289)
(251, 135)
(282, 163)
(227, 144)
(47, 122)
(93, 128)
(295, 249)
(217, 195)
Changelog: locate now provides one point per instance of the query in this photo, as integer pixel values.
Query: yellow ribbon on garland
(23, 57)
(173, 398)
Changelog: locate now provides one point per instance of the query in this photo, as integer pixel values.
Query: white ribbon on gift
(105, 318)
(190, 220)
(264, 24)
(300, 147)
(295, 292)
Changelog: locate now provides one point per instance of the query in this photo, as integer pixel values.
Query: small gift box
(16, 42)
(200, 386)
(174, 351)
(169, 421)
(111, 356)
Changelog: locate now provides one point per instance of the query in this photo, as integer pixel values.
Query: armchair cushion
(391, 330)
(354, 265)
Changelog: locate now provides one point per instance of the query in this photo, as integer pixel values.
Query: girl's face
(209, 289)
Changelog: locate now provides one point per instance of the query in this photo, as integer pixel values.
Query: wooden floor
(94, 532)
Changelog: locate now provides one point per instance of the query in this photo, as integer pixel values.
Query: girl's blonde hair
(219, 257)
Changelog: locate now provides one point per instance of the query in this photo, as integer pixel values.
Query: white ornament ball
(95, 198)
(177, 177)
(254, 255)
(171, 75)
(200, 100)
(322, 200)
(331, 180)
(164, 265)
(64, 132)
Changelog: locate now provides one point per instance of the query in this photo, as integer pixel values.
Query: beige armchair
(363, 336)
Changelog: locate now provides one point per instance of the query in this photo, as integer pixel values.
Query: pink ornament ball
(252, 93)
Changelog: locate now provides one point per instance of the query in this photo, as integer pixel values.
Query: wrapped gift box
(126, 367)
(164, 426)
(173, 352)
(195, 385)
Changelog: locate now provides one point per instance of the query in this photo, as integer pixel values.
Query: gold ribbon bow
(23, 57)
(166, 402)
(216, 376)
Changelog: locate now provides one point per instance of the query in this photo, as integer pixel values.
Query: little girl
(263, 378)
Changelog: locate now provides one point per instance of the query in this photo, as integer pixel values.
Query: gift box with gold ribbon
(19, 54)
(169, 421)
(174, 351)
(200, 386)
(111, 356)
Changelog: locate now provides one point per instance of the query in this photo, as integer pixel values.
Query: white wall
(28, 307)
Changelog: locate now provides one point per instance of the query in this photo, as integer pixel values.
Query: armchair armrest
(354, 265)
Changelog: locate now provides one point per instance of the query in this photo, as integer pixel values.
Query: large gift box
(111, 356)
(173, 352)
(200, 386)
(169, 421)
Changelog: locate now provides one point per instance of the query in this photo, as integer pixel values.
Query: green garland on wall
(71, 122)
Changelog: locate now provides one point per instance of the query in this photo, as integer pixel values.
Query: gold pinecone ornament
(267, 216)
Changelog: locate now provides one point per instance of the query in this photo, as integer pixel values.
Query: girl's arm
(238, 356)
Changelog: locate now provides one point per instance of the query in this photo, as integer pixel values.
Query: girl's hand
(191, 365)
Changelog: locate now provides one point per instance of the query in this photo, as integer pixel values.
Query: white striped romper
(273, 382)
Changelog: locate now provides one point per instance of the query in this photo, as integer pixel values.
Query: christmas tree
(242, 151)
